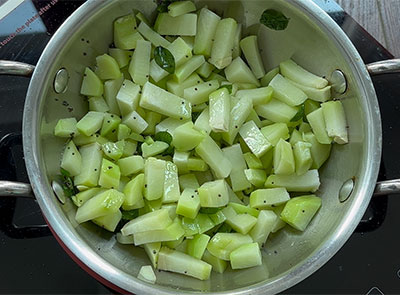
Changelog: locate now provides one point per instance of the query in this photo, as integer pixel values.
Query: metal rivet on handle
(61, 80)
(338, 81)
(346, 190)
(59, 192)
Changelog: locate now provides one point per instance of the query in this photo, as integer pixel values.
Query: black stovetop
(33, 262)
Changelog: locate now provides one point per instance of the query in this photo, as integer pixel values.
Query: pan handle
(389, 66)
(387, 187)
(15, 189)
(8, 67)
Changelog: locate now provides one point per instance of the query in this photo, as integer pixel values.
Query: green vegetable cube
(113, 150)
(179, 8)
(308, 182)
(283, 158)
(100, 205)
(296, 73)
(109, 175)
(135, 122)
(139, 68)
(205, 70)
(258, 96)
(299, 211)
(265, 223)
(237, 176)
(154, 173)
(221, 50)
(319, 152)
(252, 161)
(123, 132)
(180, 159)
(91, 162)
(109, 221)
(219, 109)
(275, 132)
(188, 181)
(181, 51)
(149, 150)
(206, 28)
(295, 137)
(241, 223)
(98, 104)
(133, 193)
(268, 198)
(80, 198)
(188, 204)
(276, 111)
(91, 84)
(245, 256)
(121, 56)
(152, 36)
(156, 220)
(249, 46)
(175, 261)
(218, 265)
(152, 251)
(129, 148)
(254, 139)
(186, 138)
(217, 218)
(146, 273)
(302, 157)
(183, 25)
(178, 88)
(152, 119)
(171, 183)
(311, 105)
(214, 194)
(131, 165)
(279, 223)
(222, 244)
(111, 88)
(125, 34)
(188, 68)
(199, 93)
(211, 153)
(197, 246)
(242, 209)
(287, 92)
(317, 122)
(128, 97)
(71, 159)
(65, 127)
(90, 123)
(172, 233)
(239, 72)
(161, 101)
(256, 177)
(335, 121)
(195, 164)
(107, 67)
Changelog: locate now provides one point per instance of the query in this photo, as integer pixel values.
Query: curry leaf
(299, 115)
(164, 59)
(163, 136)
(129, 215)
(274, 19)
(67, 184)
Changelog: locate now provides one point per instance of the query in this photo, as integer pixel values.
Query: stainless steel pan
(348, 179)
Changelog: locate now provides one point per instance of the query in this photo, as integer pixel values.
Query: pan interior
(288, 251)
